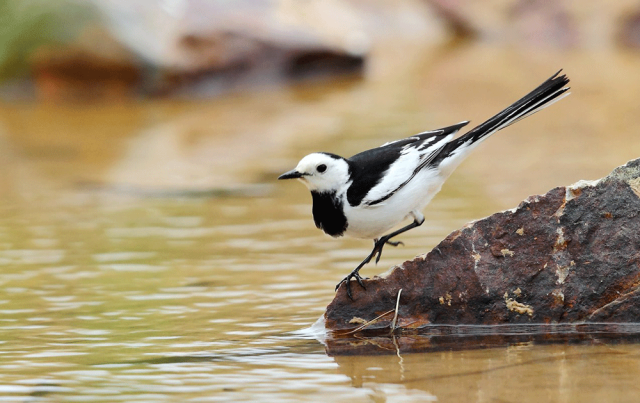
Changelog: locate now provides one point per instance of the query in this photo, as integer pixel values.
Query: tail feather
(544, 95)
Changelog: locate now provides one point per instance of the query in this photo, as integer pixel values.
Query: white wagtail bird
(366, 195)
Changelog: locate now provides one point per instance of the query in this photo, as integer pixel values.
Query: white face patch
(324, 173)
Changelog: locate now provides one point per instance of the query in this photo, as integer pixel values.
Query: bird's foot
(377, 250)
(347, 281)
(380, 243)
(395, 243)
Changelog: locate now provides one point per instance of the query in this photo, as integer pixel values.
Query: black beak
(293, 174)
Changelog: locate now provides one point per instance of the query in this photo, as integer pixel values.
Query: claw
(378, 244)
(377, 248)
(349, 290)
(379, 255)
(347, 281)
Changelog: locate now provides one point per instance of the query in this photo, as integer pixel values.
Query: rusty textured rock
(569, 256)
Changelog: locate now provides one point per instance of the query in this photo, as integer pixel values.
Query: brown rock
(205, 48)
(77, 75)
(629, 29)
(569, 256)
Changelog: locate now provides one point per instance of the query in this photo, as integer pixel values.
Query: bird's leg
(377, 249)
(386, 239)
(355, 274)
(395, 243)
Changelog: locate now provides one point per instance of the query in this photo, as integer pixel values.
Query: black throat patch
(328, 214)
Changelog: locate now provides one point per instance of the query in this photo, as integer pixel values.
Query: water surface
(147, 252)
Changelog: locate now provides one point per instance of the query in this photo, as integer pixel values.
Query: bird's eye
(321, 168)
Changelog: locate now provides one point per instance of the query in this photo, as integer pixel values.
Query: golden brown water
(148, 254)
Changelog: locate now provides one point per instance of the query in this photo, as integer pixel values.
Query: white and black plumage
(366, 195)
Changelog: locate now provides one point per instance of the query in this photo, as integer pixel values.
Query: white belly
(374, 221)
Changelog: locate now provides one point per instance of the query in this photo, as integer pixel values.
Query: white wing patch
(438, 131)
(395, 141)
(404, 168)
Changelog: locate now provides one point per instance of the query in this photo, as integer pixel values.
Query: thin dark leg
(386, 239)
(377, 249)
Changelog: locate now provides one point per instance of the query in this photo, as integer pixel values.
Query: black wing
(369, 167)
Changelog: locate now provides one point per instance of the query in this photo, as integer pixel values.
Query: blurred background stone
(197, 48)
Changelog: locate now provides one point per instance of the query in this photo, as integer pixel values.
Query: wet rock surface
(436, 338)
(569, 256)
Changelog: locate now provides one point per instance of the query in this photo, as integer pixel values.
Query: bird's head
(321, 172)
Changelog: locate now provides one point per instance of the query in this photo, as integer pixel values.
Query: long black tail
(547, 93)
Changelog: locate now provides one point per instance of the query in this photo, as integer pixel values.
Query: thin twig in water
(395, 317)
(393, 322)
(401, 362)
(366, 324)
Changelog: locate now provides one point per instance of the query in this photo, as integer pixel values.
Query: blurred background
(175, 95)
(146, 246)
